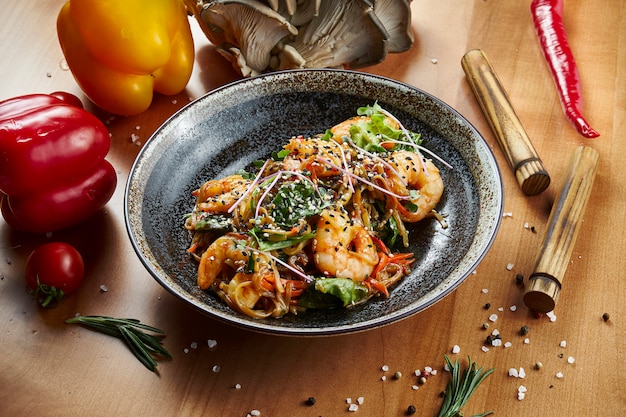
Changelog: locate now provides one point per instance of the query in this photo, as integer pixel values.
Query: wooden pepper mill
(519, 151)
(564, 223)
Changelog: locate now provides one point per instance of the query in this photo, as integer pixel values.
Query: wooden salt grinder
(564, 223)
(520, 153)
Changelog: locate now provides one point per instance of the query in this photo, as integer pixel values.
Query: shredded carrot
(193, 247)
(378, 286)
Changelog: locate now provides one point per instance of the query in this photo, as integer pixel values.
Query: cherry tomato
(54, 270)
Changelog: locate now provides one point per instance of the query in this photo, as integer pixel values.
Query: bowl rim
(261, 326)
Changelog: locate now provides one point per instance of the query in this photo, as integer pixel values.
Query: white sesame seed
(485, 290)
(551, 316)
(237, 386)
(255, 413)
(415, 387)
(526, 341)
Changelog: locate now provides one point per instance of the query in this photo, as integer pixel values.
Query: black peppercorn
(310, 401)
(524, 330)
(411, 410)
(487, 306)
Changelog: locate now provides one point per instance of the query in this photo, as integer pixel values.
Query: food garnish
(144, 341)
(462, 385)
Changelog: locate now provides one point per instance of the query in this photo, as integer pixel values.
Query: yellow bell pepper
(122, 51)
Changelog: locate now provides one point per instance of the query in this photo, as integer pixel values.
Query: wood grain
(48, 368)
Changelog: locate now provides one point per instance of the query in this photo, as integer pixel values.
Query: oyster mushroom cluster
(259, 36)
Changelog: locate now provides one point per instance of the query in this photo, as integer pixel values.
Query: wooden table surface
(48, 368)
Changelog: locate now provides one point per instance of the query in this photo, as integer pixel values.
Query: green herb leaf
(461, 387)
(295, 201)
(270, 245)
(143, 345)
(346, 290)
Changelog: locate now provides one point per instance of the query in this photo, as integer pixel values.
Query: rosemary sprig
(145, 346)
(461, 387)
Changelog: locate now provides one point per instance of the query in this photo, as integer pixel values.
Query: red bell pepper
(548, 22)
(53, 170)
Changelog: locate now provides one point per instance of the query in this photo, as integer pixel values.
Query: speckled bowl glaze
(229, 128)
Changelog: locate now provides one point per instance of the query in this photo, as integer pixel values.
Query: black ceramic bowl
(231, 127)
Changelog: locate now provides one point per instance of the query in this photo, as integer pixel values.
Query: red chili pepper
(548, 20)
(52, 162)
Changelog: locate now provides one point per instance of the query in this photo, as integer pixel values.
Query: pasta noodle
(316, 225)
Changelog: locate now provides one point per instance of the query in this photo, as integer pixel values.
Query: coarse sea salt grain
(484, 349)
(211, 343)
(570, 359)
(551, 316)
(513, 372)
(559, 375)
(493, 317)
(563, 343)
(353, 407)
(255, 413)
(485, 290)
(526, 341)
(456, 349)
(385, 368)
(360, 400)
(509, 266)
(513, 308)
(508, 344)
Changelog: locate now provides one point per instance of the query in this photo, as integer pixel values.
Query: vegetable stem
(143, 345)
(461, 387)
